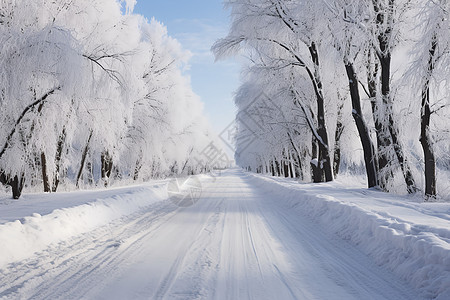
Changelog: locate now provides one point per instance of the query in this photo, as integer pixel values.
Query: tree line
(90, 92)
(313, 64)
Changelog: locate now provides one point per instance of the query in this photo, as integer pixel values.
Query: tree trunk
(17, 186)
(297, 154)
(364, 135)
(16, 183)
(382, 115)
(107, 165)
(385, 60)
(137, 168)
(90, 172)
(382, 140)
(286, 169)
(277, 164)
(291, 165)
(83, 158)
(315, 163)
(3, 179)
(45, 179)
(336, 160)
(292, 169)
(58, 156)
(299, 168)
(337, 143)
(404, 165)
(324, 151)
(379, 110)
(429, 159)
(383, 19)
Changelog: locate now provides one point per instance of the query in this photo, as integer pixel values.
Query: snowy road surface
(236, 242)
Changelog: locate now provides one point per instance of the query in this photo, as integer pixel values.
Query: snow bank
(20, 239)
(419, 254)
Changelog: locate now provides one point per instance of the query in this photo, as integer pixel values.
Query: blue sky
(197, 24)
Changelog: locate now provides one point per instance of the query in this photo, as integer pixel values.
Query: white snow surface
(248, 237)
(36, 221)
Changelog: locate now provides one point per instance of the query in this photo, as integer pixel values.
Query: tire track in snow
(119, 256)
(247, 253)
(236, 242)
(188, 277)
(73, 259)
(342, 263)
(176, 267)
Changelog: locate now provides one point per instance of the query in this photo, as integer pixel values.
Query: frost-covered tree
(366, 44)
(91, 92)
(273, 135)
(345, 21)
(386, 28)
(40, 69)
(430, 71)
(288, 33)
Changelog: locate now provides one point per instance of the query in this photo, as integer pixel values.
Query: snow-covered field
(248, 237)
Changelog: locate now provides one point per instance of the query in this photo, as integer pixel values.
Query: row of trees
(90, 91)
(389, 58)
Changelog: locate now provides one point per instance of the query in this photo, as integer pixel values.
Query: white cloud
(198, 35)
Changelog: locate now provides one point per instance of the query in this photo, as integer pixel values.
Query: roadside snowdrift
(413, 244)
(20, 239)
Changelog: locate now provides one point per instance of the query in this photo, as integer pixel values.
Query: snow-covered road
(236, 242)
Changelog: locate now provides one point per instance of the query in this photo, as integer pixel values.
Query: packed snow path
(236, 242)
